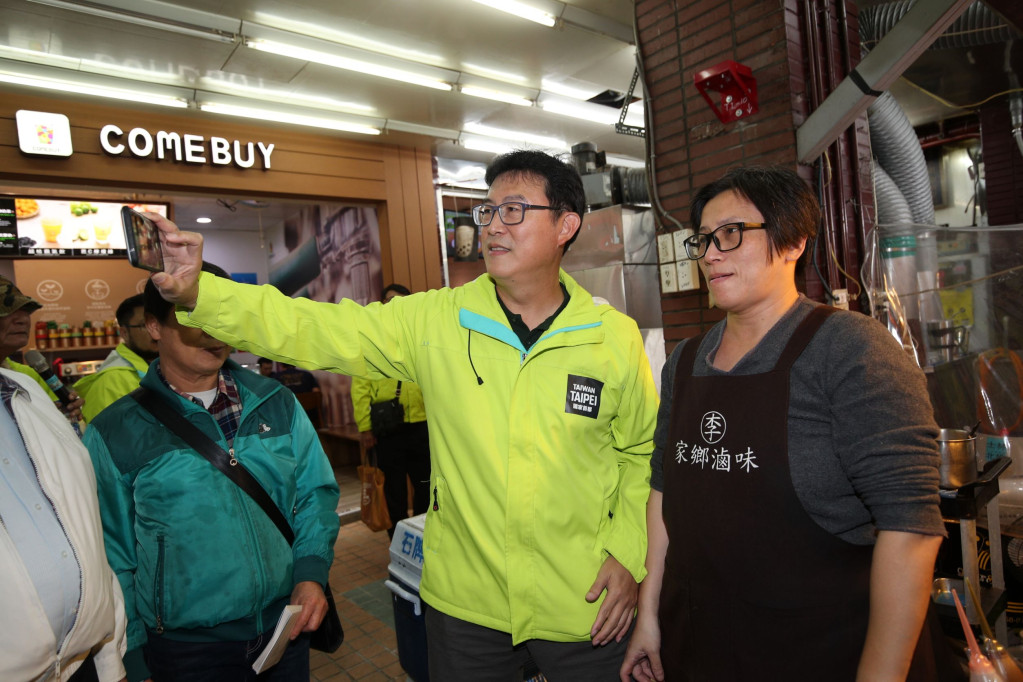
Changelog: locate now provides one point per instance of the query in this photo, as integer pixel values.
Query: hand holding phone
(142, 238)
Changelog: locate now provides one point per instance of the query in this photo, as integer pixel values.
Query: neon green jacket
(366, 392)
(117, 377)
(540, 456)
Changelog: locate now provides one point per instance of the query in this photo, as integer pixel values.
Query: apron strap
(686, 361)
(802, 336)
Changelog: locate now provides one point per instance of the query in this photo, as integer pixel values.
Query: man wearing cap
(30, 307)
(72, 410)
(125, 366)
(61, 609)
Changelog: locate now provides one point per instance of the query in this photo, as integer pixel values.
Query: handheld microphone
(37, 362)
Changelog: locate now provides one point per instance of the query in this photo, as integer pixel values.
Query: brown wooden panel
(305, 166)
(414, 237)
(397, 228)
(429, 220)
(136, 174)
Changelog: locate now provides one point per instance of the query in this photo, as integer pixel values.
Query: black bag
(388, 417)
(329, 635)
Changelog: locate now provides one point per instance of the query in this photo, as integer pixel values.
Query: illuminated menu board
(64, 228)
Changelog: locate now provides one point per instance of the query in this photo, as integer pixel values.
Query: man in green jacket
(204, 570)
(541, 408)
(125, 366)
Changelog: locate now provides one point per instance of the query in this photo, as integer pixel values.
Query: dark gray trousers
(459, 650)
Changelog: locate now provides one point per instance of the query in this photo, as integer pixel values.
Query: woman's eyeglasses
(728, 237)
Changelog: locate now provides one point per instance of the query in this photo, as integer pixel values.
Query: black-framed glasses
(511, 212)
(134, 326)
(728, 237)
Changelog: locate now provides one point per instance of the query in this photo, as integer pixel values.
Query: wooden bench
(342, 445)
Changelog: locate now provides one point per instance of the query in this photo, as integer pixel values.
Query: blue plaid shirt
(226, 408)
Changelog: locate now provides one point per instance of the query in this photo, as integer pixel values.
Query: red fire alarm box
(736, 88)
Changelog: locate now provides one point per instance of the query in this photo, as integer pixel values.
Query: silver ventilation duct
(890, 201)
(897, 149)
(893, 140)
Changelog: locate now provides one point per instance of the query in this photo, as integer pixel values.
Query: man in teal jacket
(205, 572)
(125, 366)
(541, 408)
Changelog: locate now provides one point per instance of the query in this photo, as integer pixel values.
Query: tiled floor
(370, 650)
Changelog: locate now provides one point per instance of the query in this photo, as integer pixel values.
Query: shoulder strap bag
(387, 417)
(329, 635)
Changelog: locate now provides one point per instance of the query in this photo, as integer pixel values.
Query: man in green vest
(125, 366)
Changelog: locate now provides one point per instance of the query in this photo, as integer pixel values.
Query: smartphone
(142, 237)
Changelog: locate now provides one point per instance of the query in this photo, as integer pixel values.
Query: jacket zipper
(436, 507)
(242, 496)
(158, 597)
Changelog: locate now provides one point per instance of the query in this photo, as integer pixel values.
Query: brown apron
(753, 588)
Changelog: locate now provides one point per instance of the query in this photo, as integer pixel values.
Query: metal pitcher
(958, 449)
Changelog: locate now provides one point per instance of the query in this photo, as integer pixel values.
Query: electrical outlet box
(841, 298)
(669, 281)
(687, 274)
(665, 248)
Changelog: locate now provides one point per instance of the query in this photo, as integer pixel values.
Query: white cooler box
(406, 569)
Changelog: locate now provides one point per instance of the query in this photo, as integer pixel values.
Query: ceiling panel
(488, 47)
(459, 35)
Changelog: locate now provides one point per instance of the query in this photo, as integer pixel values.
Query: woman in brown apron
(793, 521)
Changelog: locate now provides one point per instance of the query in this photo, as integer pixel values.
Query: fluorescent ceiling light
(89, 66)
(204, 220)
(227, 87)
(262, 20)
(59, 85)
(521, 9)
(486, 144)
(585, 111)
(347, 63)
(429, 131)
(568, 91)
(495, 95)
(494, 73)
(150, 21)
(283, 117)
(515, 136)
(498, 146)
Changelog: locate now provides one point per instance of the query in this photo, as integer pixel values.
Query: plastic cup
(101, 227)
(51, 227)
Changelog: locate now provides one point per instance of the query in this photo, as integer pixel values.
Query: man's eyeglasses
(728, 237)
(134, 326)
(511, 212)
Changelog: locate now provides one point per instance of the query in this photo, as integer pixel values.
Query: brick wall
(1003, 165)
(691, 148)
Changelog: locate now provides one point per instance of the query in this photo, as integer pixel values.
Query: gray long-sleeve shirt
(862, 450)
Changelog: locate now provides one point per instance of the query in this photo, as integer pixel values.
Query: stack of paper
(280, 640)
